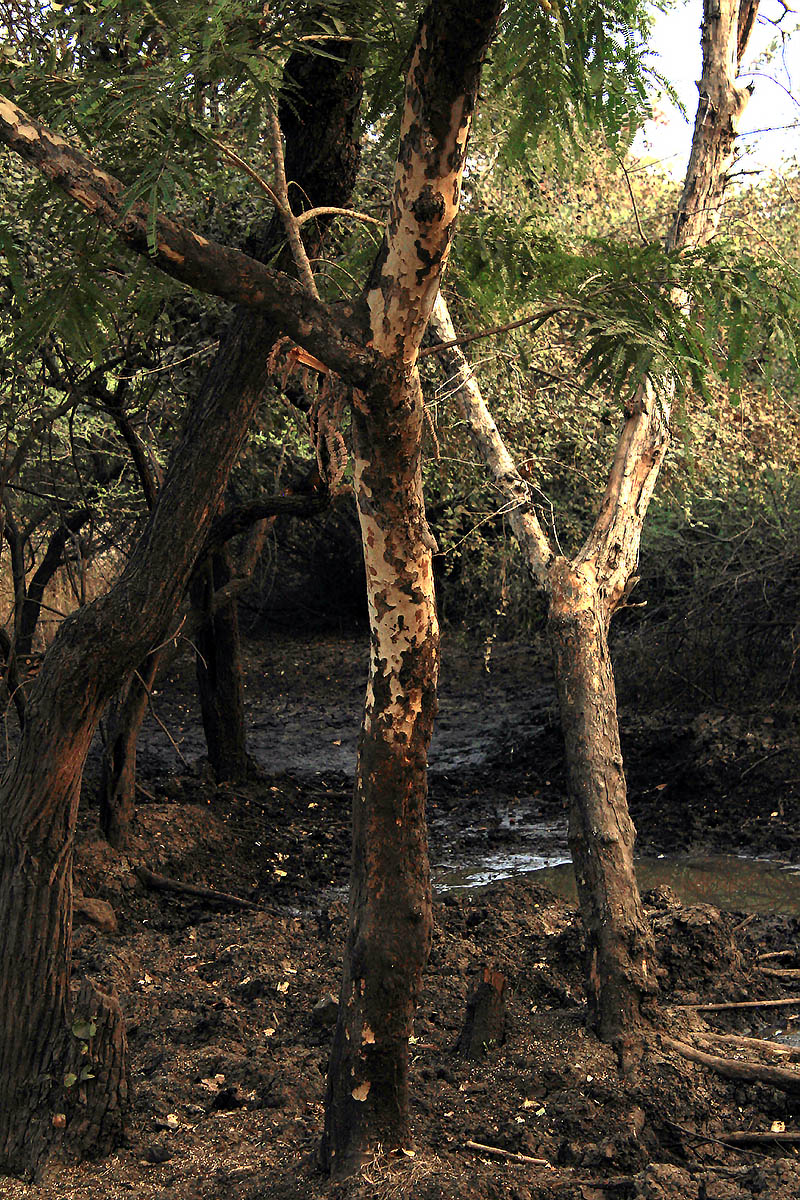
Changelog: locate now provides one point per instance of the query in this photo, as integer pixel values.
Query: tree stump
(485, 1021)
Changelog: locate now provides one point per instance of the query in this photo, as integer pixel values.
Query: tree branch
(333, 336)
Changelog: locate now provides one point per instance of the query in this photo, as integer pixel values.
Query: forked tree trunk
(123, 723)
(585, 592)
(94, 649)
(219, 672)
(389, 928)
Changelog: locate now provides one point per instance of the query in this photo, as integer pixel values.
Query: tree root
(163, 883)
(737, 1069)
(787, 1053)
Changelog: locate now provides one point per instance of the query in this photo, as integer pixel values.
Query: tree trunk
(390, 898)
(219, 673)
(620, 953)
(389, 927)
(123, 723)
(39, 1113)
(96, 647)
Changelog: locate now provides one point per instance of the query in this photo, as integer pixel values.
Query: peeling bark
(390, 899)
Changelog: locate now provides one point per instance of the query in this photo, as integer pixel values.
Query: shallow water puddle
(724, 880)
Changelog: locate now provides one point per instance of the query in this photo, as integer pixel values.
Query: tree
(373, 347)
(104, 642)
(586, 591)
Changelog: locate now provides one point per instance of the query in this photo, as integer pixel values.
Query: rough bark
(620, 954)
(335, 336)
(485, 1020)
(390, 899)
(96, 647)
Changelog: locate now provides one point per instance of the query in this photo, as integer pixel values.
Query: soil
(229, 1010)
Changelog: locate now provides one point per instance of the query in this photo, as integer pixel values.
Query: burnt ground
(228, 1040)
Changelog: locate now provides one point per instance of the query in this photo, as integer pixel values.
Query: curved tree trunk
(93, 651)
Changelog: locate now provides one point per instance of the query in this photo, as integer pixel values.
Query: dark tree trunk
(92, 652)
(123, 723)
(620, 954)
(53, 559)
(219, 672)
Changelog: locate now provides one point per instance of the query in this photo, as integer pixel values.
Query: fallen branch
(785, 1003)
(744, 1136)
(507, 1154)
(788, 973)
(789, 1053)
(163, 883)
(734, 1068)
(775, 954)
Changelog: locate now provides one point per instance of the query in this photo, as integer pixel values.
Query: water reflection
(724, 880)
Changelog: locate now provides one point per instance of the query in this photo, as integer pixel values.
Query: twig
(633, 201)
(744, 1136)
(507, 1154)
(328, 211)
(163, 883)
(789, 973)
(541, 316)
(785, 1003)
(714, 1141)
(284, 207)
(144, 791)
(161, 724)
(775, 954)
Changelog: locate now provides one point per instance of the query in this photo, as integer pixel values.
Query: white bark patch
(11, 114)
(398, 623)
(361, 1092)
(424, 206)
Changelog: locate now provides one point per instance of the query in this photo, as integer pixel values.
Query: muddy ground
(228, 1010)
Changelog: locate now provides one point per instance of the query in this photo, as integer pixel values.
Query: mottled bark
(92, 652)
(390, 900)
